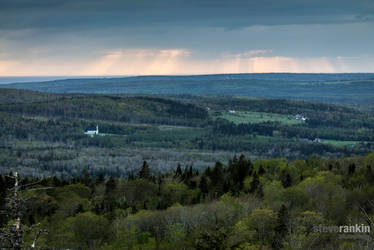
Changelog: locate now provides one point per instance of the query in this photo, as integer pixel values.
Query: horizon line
(202, 74)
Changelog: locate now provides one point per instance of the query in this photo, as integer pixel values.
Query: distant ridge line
(267, 76)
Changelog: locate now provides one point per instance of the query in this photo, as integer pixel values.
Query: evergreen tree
(203, 185)
(255, 183)
(178, 171)
(351, 169)
(207, 171)
(238, 170)
(145, 172)
(235, 160)
(100, 178)
(56, 182)
(159, 183)
(217, 179)
(86, 179)
(110, 186)
(286, 179)
(130, 177)
(261, 170)
(330, 167)
(109, 201)
(369, 174)
(281, 229)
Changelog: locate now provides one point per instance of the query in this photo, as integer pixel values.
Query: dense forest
(42, 133)
(240, 204)
(183, 172)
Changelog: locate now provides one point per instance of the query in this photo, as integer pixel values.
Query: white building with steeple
(92, 132)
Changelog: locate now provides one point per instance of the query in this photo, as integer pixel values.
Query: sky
(150, 37)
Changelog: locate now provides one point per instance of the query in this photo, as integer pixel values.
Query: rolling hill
(349, 89)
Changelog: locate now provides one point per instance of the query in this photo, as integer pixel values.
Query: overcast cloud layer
(113, 37)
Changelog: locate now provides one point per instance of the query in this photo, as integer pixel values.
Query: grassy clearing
(173, 127)
(339, 143)
(258, 117)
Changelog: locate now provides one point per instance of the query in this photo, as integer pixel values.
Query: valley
(44, 133)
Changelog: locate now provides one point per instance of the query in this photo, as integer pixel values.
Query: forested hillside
(348, 89)
(43, 133)
(239, 204)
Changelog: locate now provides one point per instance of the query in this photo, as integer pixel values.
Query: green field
(337, 143)
(257, 117)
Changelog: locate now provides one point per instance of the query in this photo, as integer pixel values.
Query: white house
(300, 117)
(92, 132)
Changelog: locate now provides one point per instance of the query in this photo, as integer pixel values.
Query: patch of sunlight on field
(173, 127)
(258, 117)
(339, 143)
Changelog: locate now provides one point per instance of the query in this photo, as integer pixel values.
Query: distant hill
(16, 96)
(36, 127)
(352, 89)
(138, 109)
(147, 107)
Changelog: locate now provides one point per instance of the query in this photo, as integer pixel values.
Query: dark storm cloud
(113, 37)
(231, 14)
